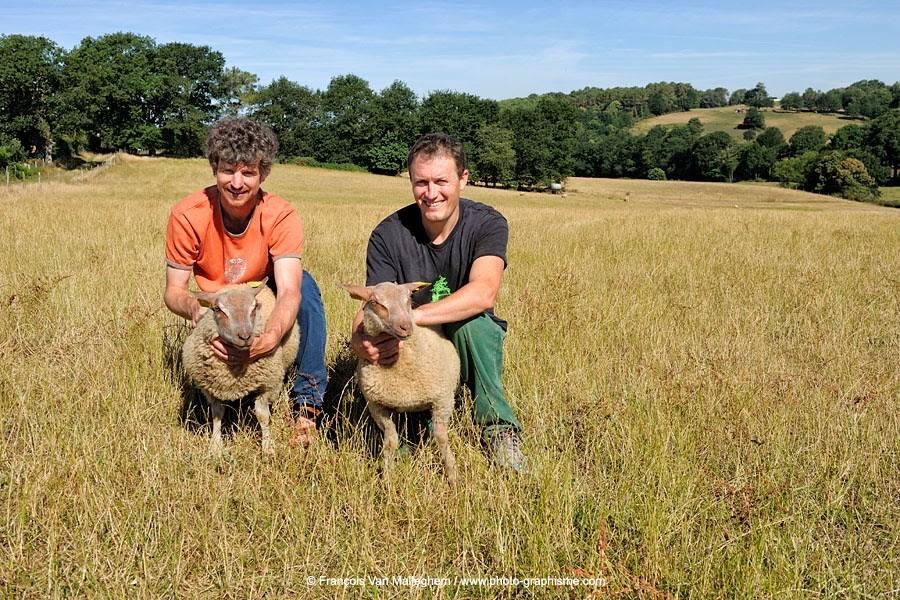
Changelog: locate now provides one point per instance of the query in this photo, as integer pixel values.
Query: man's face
(238, 185)
(436, 186)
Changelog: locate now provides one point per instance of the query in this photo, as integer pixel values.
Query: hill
(706, 373)
(726, 118)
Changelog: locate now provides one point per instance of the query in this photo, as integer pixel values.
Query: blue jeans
(312, 375)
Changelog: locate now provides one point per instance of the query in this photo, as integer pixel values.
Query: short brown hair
(438, 144)
(240, 140)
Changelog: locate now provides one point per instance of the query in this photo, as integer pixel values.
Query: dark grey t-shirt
(400, 251)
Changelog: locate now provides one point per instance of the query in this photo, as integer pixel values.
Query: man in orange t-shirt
(234, 232)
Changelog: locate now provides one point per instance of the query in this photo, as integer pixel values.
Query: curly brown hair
(240, 140)
(438, 144)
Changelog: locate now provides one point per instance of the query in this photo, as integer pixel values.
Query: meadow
(726, 119)
(707, 375)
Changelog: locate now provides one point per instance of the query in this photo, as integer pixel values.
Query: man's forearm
(284, 314)
(472, 299)
(182, 303)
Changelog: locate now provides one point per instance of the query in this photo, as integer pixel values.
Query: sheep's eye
(216, 309)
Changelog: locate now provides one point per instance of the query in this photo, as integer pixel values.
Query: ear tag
(254, 284)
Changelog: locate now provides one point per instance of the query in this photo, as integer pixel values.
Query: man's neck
(438, 232)
(236, 224)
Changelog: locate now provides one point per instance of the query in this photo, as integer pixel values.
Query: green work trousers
(479, 343)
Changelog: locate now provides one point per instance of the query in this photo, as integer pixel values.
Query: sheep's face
(388, 308)
(234, 310)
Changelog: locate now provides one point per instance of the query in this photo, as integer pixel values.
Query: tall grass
(707, 375)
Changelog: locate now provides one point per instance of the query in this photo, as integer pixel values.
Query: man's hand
(262, 345)
(383, 349)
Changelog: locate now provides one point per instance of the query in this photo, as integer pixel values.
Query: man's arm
(475, 297)
(177, 297)
(288, 272)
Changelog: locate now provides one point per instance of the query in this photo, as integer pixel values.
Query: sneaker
(504, 449)
(304, 430)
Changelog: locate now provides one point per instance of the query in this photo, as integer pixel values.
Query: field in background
(726, 119)
(707, 374)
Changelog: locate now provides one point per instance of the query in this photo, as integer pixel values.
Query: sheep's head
(234, 310)
(388, 307)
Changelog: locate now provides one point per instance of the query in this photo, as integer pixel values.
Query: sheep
(237, 314)
(425, 375)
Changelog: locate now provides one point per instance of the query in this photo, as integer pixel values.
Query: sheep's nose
(245, 337)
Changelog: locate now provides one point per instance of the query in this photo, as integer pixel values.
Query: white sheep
(237, 314)
(425, 376)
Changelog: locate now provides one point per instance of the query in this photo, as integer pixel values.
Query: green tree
(737, 97)
(866, 98)
(395, 124)
(755, 161)
(810, 98)
(714, 98)
(848, 136)
(184, 100)
(346, 132)
(458, 114)
(292, 111)
(830, 101)
(656, 174)
(771, 138)
(792, 101)
(30, 72)
(835, 174)
(106, 82)
(792, 172)
(714, 157)
(883, 139)
(758, 97)
(495, 158)
(387, 158)
(236, 91)
(754, 119)
(544, 140)
(810, 137)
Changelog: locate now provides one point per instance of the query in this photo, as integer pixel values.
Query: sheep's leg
(216, 411)
(442, 438)
(382, 418)
(263, 415)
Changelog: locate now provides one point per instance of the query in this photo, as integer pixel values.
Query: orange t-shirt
(196, 239)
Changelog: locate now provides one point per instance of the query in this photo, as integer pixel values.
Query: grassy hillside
(726, 119)
(707, 375)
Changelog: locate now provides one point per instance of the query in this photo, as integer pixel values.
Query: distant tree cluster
(126, 92)
(866, 98)
(850, 163)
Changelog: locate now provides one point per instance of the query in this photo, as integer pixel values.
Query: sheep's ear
(360, 292)
(415, 286)
(206, 298)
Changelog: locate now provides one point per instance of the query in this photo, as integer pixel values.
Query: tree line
(124, 91)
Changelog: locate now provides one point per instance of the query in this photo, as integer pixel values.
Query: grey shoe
(504, 447)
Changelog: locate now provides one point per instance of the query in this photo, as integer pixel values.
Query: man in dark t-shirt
(459, 246)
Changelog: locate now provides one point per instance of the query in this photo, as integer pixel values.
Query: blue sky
(508, 49)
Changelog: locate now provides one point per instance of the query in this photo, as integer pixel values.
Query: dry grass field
(707, 374)
(726, 119)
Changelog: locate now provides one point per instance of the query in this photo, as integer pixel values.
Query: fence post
(7, 175)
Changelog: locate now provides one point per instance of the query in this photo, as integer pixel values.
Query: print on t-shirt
(440, 289)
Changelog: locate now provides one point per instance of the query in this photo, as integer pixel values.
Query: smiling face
(238, 187)
(436, 187)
